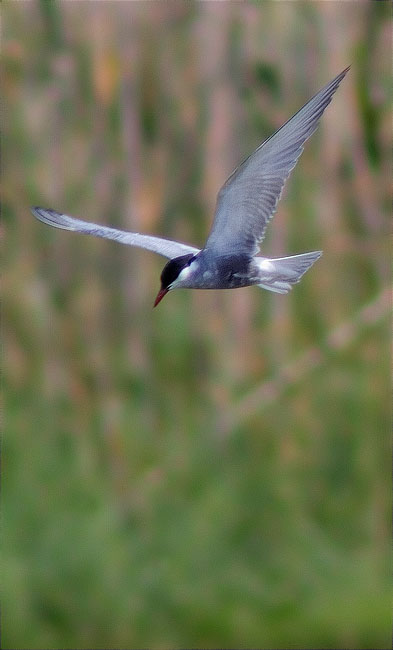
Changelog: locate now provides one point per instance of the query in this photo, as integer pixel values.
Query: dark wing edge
(165, 247)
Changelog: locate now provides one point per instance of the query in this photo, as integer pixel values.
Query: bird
(245, 204)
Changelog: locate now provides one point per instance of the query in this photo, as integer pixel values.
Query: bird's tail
(283, 272)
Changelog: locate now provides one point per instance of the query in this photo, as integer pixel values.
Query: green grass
(174, 478)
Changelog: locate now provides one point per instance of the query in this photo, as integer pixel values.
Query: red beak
(162, 292)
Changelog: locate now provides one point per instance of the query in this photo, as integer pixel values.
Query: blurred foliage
(170, 481)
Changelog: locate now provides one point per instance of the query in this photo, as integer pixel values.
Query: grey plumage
(165, 247)
(249, 198)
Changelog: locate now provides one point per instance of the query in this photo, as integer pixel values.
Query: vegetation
(213, 473)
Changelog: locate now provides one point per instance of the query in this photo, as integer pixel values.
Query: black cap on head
(172, 269)
(171, 272)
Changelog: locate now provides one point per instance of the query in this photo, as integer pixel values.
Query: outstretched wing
(165, 247)
(249, 198)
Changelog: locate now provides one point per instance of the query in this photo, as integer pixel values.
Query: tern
(245, 205)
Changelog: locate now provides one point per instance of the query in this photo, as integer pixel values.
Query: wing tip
(35, 209)
(338, 79)
(52, 217)
(41, 213)
(344, 72)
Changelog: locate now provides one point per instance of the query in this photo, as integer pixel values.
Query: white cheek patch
(184, 275)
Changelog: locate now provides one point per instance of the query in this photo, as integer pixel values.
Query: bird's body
(235, 270)
(245, 204)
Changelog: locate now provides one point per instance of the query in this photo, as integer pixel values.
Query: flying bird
(245, 204)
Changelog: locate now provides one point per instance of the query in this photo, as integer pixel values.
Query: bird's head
(174, 274)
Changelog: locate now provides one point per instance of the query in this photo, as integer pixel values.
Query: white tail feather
(283, 272)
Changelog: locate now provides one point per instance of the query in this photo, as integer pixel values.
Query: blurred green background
(216, 472)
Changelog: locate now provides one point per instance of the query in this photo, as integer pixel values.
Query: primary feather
(164, 247)
(248, 199)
